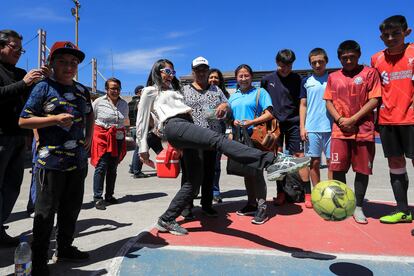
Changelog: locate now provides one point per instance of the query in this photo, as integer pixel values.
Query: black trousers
(57, 192)
(12, 151)
(204, 174)
(183, 134)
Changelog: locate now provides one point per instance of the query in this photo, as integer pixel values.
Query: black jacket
(13, 95)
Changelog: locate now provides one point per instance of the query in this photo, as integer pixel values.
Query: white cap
(199, 61)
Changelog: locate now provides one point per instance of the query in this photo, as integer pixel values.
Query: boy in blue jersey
(315, 121)
(60, 109)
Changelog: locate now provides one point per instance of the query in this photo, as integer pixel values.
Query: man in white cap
(208, 103)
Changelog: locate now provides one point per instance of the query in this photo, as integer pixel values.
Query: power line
(31, 40)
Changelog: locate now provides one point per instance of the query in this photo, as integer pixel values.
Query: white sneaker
(284, 164)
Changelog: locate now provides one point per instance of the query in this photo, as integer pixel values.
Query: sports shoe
(209, 212)
(284, 164)
(111, 200)
(247, 210)
(70, 254)
(397, 217)
(100, 204)
(359, 216)
(308, 201)
(412, 232)
(260, 216)
(140, 175)
(217, 199)
(171, 226)
(280, 199)
(6, 240)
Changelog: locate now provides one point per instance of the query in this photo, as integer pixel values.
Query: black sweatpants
(57, 192)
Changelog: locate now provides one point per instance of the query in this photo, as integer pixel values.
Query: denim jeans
(217, 172)
(12, 150)
(154, 142)
(106, 167)
(183, 134)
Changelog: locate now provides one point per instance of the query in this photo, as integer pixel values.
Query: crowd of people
(324, 113)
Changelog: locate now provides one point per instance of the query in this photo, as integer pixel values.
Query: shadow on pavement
(109, 225)
(376, 210)
(17, 216)
(344, 268)
(233, 193)
(222, 224)
(128, 198)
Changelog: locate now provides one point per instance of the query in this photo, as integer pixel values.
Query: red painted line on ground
(294, 228)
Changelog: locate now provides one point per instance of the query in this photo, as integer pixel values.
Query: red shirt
(397, 81)
(349, 95)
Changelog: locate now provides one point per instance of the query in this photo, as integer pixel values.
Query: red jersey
(398, 89)
(349, 95)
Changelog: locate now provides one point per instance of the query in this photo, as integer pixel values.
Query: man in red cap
(60, 109)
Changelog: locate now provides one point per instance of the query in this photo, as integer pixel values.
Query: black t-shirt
(285, 92)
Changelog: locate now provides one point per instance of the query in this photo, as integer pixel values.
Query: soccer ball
(333, 200)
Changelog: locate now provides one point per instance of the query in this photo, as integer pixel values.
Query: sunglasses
(16, 49)
(168, 71)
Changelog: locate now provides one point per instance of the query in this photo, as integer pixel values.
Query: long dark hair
(222, 84)
(154, 77)
(243, 66)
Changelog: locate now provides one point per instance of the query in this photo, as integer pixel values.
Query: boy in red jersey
(351, 95)
(396, 114)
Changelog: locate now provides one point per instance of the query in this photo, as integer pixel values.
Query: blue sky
(134, 34)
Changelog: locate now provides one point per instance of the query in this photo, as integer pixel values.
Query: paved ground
(123, 230)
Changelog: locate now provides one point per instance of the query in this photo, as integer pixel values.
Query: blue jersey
(318, 118)
(243, 105)
(60, 148)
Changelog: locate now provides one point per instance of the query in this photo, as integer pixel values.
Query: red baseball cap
(66, 47)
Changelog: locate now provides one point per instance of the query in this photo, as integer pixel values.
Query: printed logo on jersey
(411, 62)
(358, 80)
(385, 78)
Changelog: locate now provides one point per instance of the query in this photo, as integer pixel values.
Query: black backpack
(293, 187)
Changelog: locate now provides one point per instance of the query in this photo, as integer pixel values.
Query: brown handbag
(266, 134)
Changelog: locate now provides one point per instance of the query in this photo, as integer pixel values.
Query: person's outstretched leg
(181, 133)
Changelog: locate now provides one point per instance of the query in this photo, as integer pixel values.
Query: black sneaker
(187, 214)
(100, 204)
(140, 175)
(209, 212)
(247, 210)
(217, 199)
(260, 217)
(6, 240)
(70, 254)
(40, 269)
(111, 200)
(412, 232)
(171, 226)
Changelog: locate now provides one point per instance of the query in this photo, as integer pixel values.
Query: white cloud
(44, 14)
(141, 59)
(177, 34)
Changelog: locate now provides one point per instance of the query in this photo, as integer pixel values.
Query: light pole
(75, 13)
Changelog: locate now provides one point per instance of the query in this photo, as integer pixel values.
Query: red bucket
(168, 163)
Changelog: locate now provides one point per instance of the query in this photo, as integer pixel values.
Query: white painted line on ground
(262, 252)
(115, 265)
